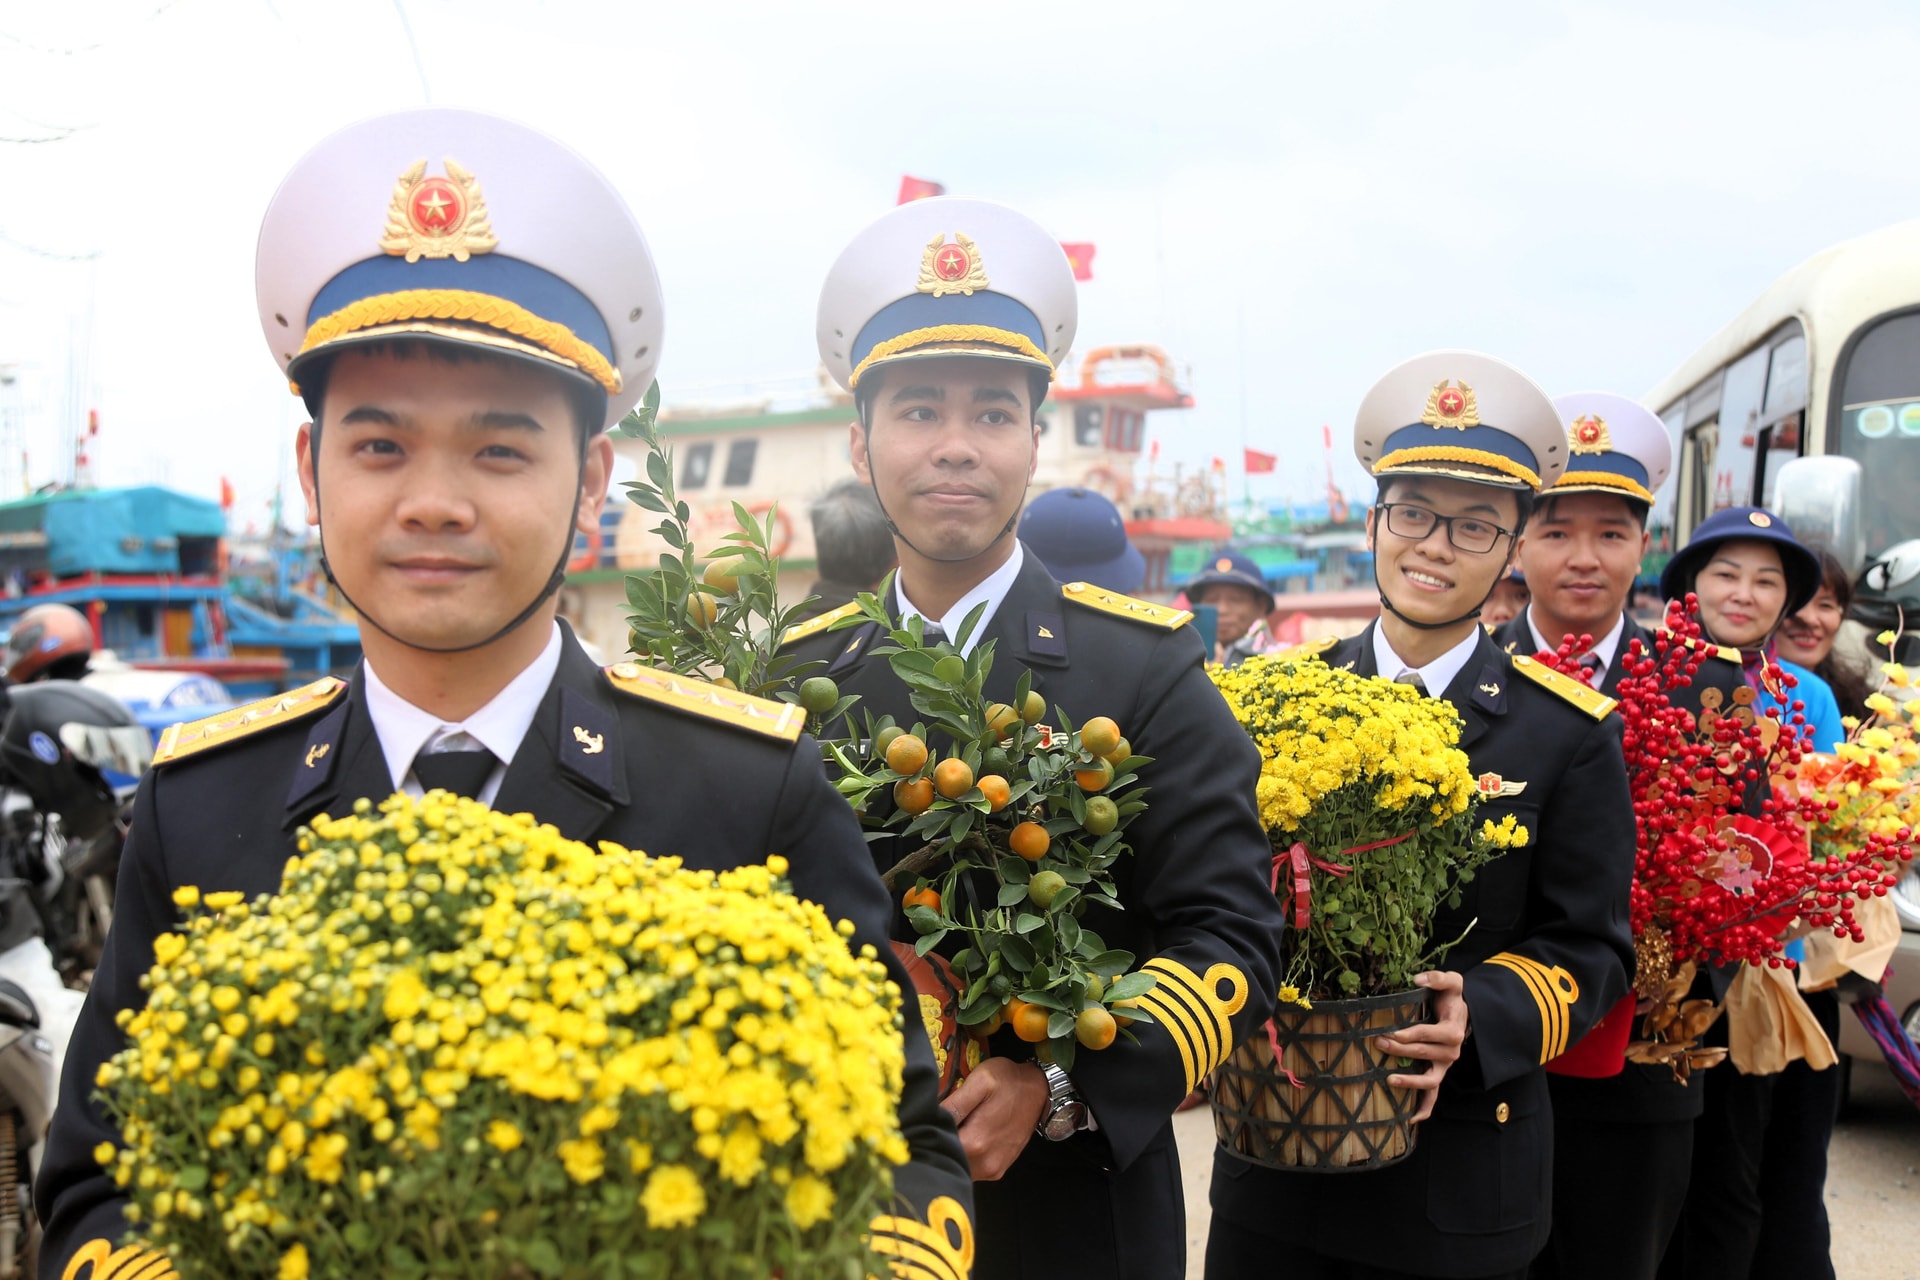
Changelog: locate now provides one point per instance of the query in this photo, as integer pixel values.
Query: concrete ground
(1873, 1182)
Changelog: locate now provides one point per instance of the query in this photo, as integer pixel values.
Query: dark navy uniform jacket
(1199, 913)
(1548, 953)
(1642, 1093)
(662, 764)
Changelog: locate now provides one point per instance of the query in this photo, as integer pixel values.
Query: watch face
(1065, 1121)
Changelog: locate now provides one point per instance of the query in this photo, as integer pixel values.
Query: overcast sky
(1289, 197)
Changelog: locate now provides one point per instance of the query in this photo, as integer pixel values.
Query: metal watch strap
(1060, 1095)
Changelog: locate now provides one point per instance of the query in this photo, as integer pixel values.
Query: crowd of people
(460, 371)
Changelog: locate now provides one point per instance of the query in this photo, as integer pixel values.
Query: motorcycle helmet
(49, 642)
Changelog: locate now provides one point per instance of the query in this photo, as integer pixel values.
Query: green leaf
(1012, 893)
(541, 1256)
(1133, 984)
(1027, 922)
(1109, 964)
(924, 920)
(928, 941)
(191, 1178)
(1058, 1025)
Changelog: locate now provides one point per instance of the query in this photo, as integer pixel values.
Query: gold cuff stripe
(1193, 1004)
(473, 308)
(1602, 480)
(1455, 453)
(1180, 1028)
(926, 1248)
(1020, 342)
(104, 1262)
(181, 740)
(1553, 989)
(815, 625)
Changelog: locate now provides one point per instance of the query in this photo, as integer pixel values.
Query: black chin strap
(866, 432)
(1418, 625)
(555, 580)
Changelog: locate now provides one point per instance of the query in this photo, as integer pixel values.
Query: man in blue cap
(466, 306)
(1079, 535)
(1233, 584)
(946, 319)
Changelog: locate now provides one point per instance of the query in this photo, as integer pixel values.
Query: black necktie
(931, 635)
(461, 772)
(1413, 678)
(1590, 662)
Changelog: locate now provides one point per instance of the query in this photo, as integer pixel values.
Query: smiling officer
(465, 306)
(946, 319)
(1460, 443)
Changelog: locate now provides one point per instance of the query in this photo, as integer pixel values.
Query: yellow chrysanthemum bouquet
(457, 1044)
(1369, 802)
(1370, 805)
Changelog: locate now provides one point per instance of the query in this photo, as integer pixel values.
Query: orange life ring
(782, 533)
(1104, 481)
(588, 558)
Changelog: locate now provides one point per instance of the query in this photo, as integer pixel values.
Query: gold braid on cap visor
(1454, 453)
(1019, 342)
(1603, 480)
(472, 308)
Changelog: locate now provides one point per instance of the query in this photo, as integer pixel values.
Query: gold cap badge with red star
(1589, 434)
(435, 217)
(1451, 405)
(952, 267)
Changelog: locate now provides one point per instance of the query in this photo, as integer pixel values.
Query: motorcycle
(70, 762)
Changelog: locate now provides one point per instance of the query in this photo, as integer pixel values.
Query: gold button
(1501, 1112)
(626, 670)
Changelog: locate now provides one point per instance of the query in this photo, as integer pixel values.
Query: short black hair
(1636, 508)
(1039, 382)
(1524, 500)
(589, 404)
(853, 544)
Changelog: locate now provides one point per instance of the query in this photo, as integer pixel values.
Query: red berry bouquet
(1723, 871)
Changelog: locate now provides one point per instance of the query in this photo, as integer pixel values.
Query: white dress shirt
(992, 590)
(405, 730)
(1436, 675)
(1604, 648)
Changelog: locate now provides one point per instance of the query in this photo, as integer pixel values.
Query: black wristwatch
(1065, 1114)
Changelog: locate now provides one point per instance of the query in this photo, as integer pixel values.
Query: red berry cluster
(1723, 865)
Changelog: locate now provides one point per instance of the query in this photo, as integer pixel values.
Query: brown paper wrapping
(1828, 958)
(1769, 1025)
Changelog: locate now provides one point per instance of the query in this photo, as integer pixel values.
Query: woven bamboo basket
(1341, 1115)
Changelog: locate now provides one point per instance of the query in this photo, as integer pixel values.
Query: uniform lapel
(340, 762)
(1028, 631)
(1479, 692)
(571, 769)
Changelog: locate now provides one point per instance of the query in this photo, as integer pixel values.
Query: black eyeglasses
(1468, 533)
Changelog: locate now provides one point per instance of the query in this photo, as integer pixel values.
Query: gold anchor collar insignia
(1590, 434)
(1045, 634)
(1451, 404)
(1491, 690)
(436, 217)
(1492, 784)
(952, 267)
(591, 744)
(317, 752)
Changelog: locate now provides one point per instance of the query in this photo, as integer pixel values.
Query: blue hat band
(1422, 447)
(921, 319)
(492, 290)
(1614, 472)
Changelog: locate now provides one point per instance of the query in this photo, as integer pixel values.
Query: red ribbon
(1301, 860)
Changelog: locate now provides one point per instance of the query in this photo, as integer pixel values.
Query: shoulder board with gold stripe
(179, 741)
(1301, 652)
(781, 720)
(815, 625)
(1591, 701)
(1711, 649)
(1104, 601)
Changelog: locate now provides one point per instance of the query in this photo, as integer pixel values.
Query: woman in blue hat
(1750, 574)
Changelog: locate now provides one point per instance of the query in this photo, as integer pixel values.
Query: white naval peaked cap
(947, 276)
(1461, 414)
(1616, 445)
(458, 227)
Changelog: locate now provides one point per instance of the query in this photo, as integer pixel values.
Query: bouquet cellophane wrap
(1769, 1025)
(1828, 959)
